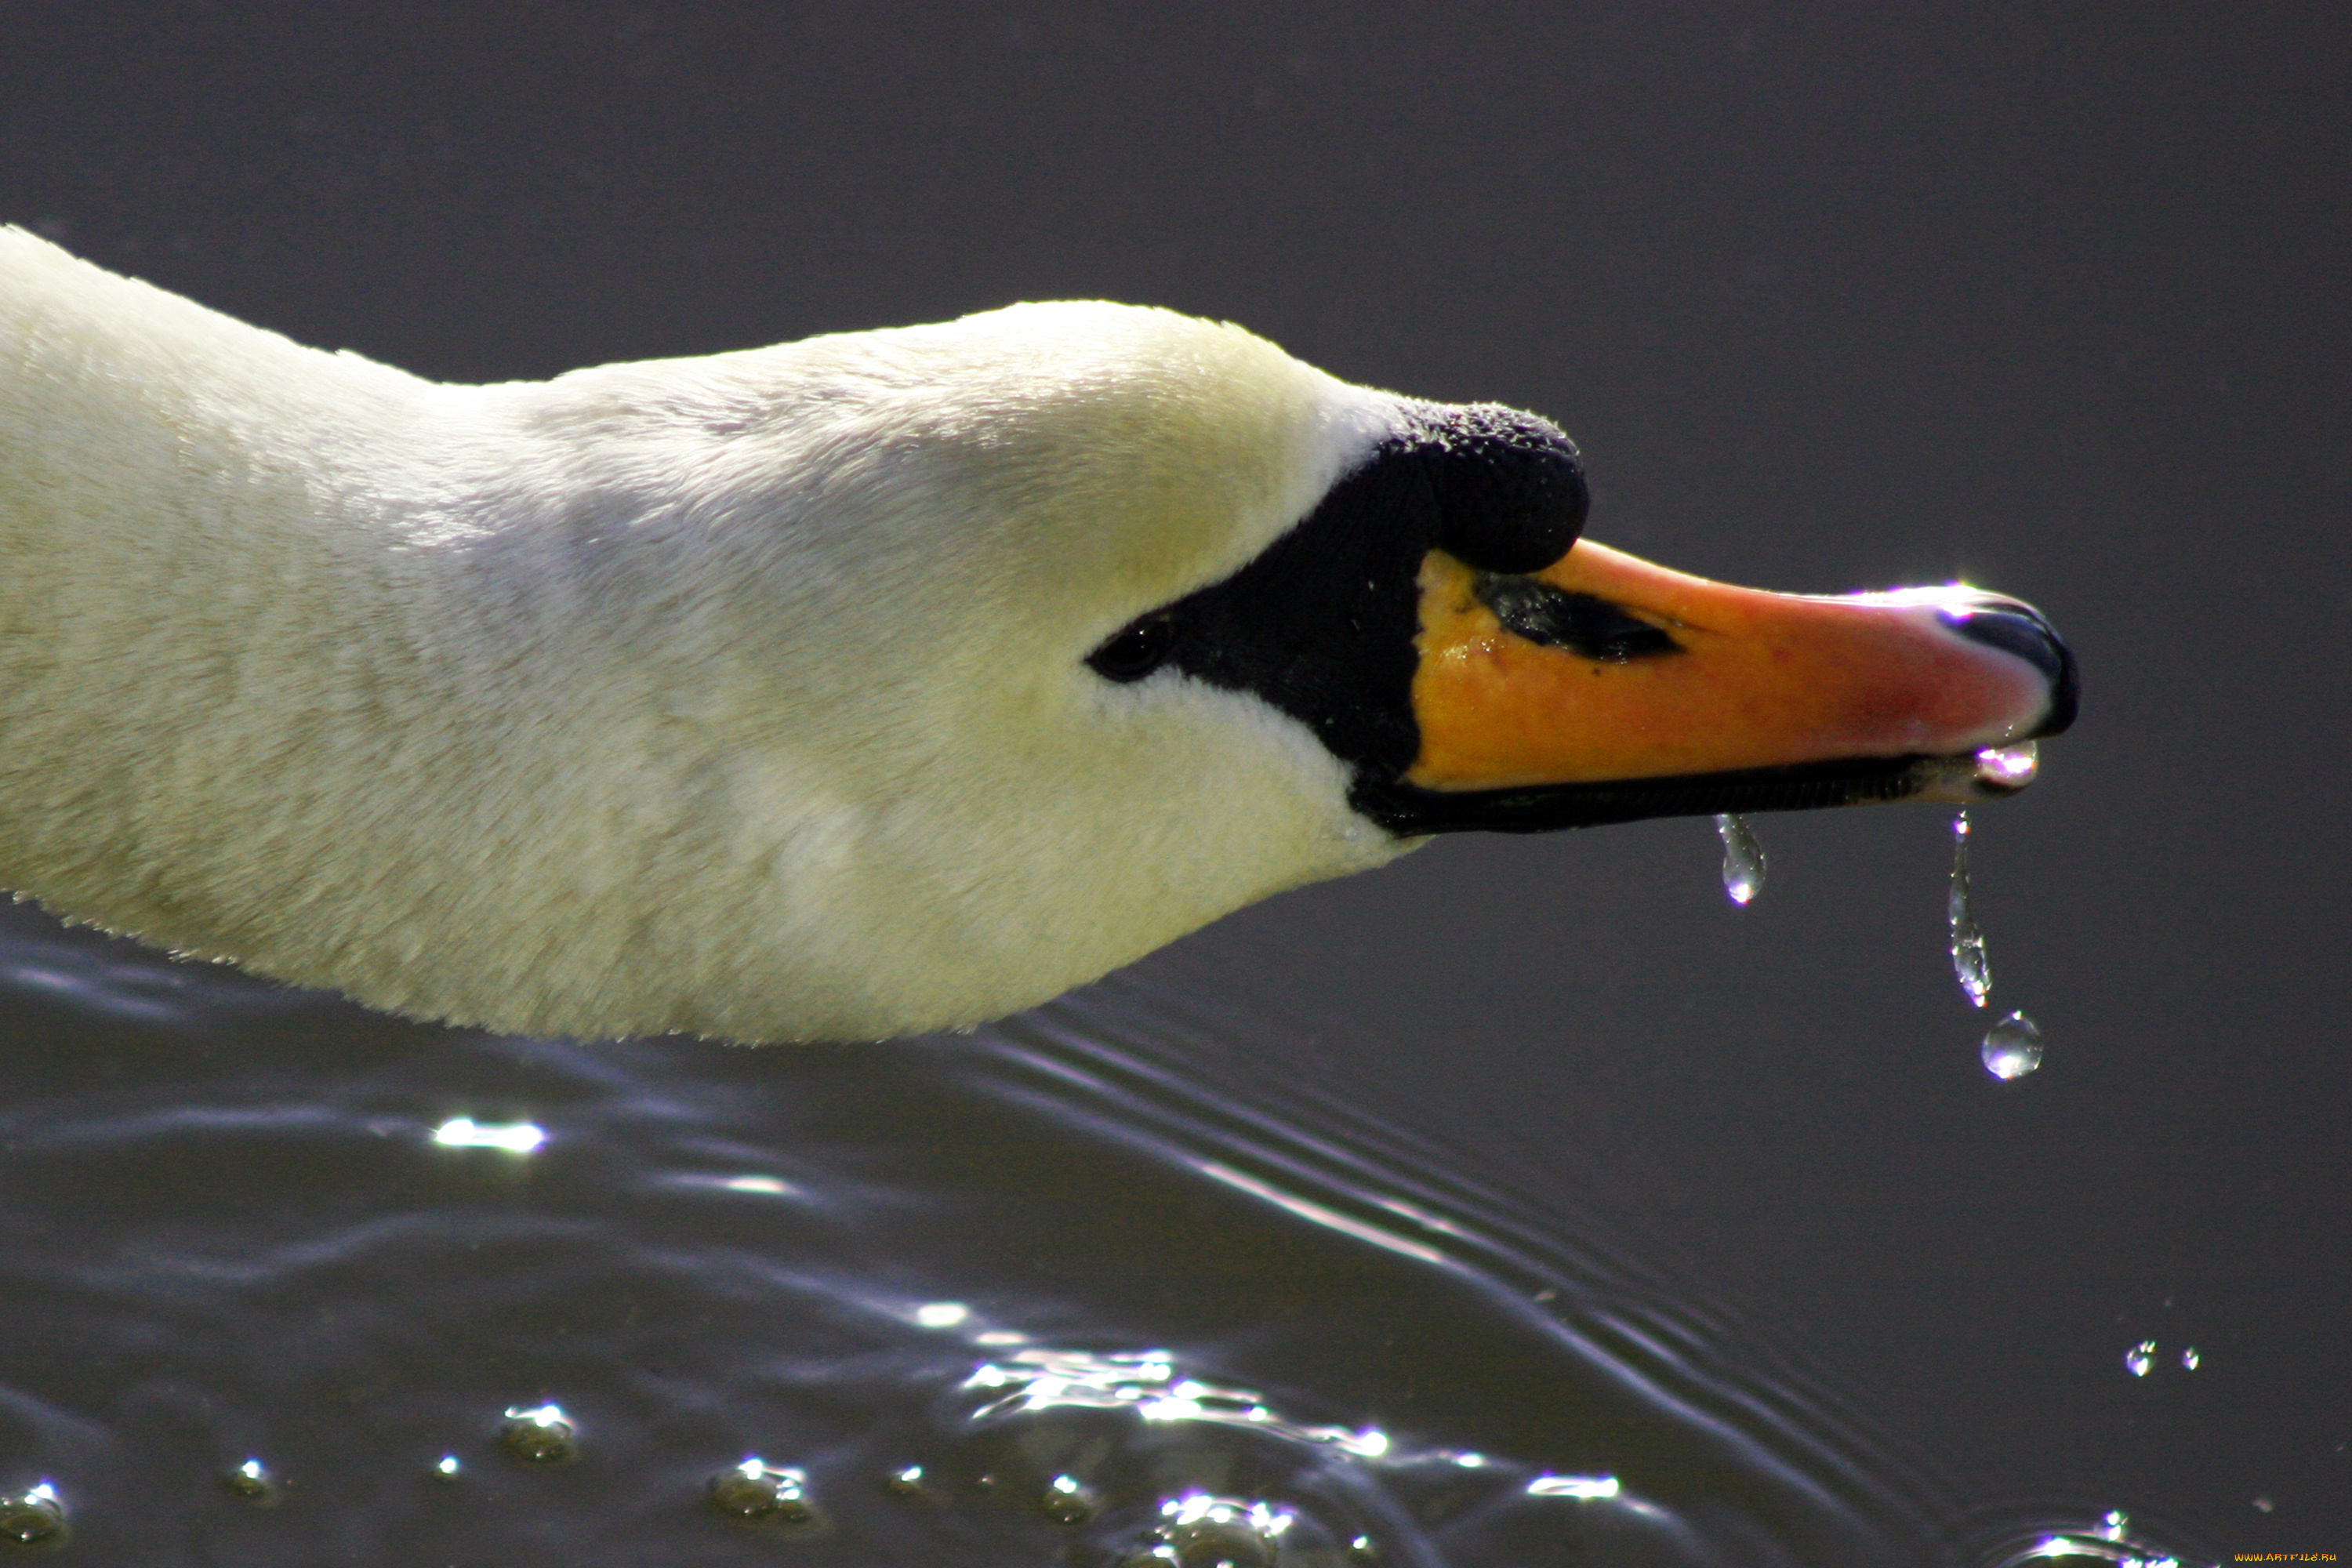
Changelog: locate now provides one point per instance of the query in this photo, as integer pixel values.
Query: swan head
(1024, 645)
(861, 686)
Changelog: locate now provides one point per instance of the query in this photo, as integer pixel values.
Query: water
(2012, 1048)
(1094, 1285)
(1743, 858)
(2140, 1358)
(1970, 962)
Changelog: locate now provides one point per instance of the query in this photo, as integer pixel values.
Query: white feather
(741, 695)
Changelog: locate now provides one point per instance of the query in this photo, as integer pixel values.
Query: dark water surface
(1079, 1272)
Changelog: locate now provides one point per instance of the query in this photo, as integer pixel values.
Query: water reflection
(1097, 1279)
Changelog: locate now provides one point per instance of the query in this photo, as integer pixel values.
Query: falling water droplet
(1969, 961)
(1743, 858)
(449, 1467)
(2012, 1048)
(2139, 1358)
(2190, 1358)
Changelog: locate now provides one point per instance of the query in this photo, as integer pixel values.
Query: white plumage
(742, 695)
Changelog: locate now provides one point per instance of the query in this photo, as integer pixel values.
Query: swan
(861, 686)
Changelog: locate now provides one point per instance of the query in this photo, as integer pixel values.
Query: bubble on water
(1970, 962)
(2139, 1358)
(758, 1490)
(542, 1434)
(1220, 1533)
(2190, 1358)
(1069, 1500)
(34, 1517)
(2012, 1048)
(253, 1482)
(1743, 858)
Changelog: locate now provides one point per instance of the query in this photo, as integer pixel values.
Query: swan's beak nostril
(2016, 628)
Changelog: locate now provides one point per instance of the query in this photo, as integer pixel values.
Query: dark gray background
(1834, 296)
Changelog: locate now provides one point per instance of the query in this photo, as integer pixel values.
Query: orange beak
(1663, 693)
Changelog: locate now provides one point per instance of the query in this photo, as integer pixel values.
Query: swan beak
(1604, 688)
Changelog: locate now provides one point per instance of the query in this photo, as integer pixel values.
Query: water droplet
(1363, 1553)
(544, 1435)
(1222, 1532)
(758, 1490)
(2008, 768)
(1069, 1500)
(2136, 1360)
(1970, 963)
(2116, 1521)
(2264, 1504)
(1743, 858)
(447, 1466)
(908, 1482)
(2012, 1048)
(252, 1482)
(2190, 1358)
(34, 1518)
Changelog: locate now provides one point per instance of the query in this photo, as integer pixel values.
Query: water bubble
(1573, 1486)
(447, 1467)
(1069, 1500)
(252, 1482)
(1743, 858)
(756, 1489)
(2137, 1360)
(1220, 1533)
(34, 1518)
(2012, 1048)
(544, 1435)
(1970, 962)
(2189, 1359)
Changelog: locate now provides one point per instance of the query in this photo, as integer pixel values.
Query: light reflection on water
(944, 1287)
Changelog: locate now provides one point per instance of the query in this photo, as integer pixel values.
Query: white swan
(853, 687)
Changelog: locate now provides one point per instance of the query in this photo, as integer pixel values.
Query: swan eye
(1135, 650)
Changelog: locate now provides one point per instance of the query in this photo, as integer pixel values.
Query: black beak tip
(2016, 628)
